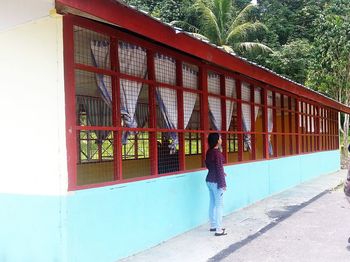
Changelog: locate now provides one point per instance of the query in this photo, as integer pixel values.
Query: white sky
(254, 2)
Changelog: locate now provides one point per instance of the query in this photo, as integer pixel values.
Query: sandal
(223, 233)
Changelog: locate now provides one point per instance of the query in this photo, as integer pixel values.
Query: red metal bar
(297, 114)
(203, 81)
(275, 152)
(223, 117)
(239, 120)
(337, 128)
(290, 125)
(318, 128)
(265, 125)
(315, 128)
(152, 114)
(328, 130)
(302, 127)
(69, 81)
(180, 104)
(252, 117)
(283, 127)
(117, 145)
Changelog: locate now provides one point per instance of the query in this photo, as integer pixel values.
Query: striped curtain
(190, 80)
(101, 58)
(132, 61)
(230, 85)
(165, 72)
(214, 102)
(270, 120)
(98, 113)
(246, 116)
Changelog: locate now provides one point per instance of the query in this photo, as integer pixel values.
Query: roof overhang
(119, 14)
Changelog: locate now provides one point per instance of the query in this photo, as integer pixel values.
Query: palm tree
(222, 26)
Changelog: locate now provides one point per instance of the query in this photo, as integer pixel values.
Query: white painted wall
(16, 12)
(32, 109)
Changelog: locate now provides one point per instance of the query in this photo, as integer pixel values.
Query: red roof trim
(135, 21)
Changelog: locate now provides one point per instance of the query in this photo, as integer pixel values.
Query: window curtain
(165, 71)
(230, 85)
(100, 54)
(132, 61)
(270, 120)
(246, 116)
(189, 80)
(214, 102)
(246, 112)
(141, 114)
(98, 113)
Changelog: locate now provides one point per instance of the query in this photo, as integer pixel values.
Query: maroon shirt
(214, 161)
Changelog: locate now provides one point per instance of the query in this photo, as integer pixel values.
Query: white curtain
(320, 120)
(300, 110)
(98, 113)
(189, 80)
(100, 54)
(270, 120)
(165, 71)
(246, 117)
(257, 100)
(132, 61)
(214, 102)
(312, 118)
(230, 85)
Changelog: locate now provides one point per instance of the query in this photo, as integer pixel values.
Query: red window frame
(330, 139)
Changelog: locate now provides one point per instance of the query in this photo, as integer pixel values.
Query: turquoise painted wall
(31, 228)
(105, 224)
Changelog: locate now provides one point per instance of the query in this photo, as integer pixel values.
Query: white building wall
(16, 12)
(32, 108)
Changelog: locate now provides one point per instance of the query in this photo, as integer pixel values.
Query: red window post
(117, 145)
(180, 104)
(239, 120)
(152, 113)
(252, 118)
(223, 117)
(265, 125)
(203, 81)
(283, 127)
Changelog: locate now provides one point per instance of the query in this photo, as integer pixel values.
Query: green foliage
(292, 59)
(166, 10)
(223, 24)
(330, 63)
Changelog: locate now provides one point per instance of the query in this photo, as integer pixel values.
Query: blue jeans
(216, 206)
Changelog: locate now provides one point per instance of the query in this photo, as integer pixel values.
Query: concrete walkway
(309, 222)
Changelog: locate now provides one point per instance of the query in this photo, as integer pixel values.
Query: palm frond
(222, 10)
(200, 36)
(254, 47)
(243, 16)
(185, 25)
(242, 32)
(228, 49)
(209, 21)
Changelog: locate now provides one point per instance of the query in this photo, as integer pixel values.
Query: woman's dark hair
(213, 139)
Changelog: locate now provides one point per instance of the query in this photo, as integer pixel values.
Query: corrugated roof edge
(180, 30)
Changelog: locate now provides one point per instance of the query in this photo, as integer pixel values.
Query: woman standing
(216, 183)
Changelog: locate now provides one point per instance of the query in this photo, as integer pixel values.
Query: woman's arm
(220, 170)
